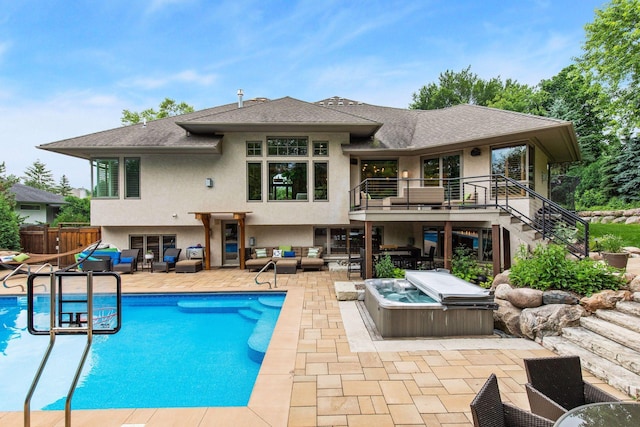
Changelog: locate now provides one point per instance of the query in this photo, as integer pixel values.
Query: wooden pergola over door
(205, 218)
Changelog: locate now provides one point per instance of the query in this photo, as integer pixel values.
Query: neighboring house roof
(373, 129)
(25, 194)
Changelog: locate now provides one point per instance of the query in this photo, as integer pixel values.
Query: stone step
(630, 307)
(614, 375)
(604, 347)
(616, 333)
(627, 321)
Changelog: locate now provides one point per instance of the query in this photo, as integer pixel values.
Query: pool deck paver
(322, 367)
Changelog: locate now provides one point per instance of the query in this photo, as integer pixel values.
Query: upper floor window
(254, 148)
(254, 181)
(376, 173)
(105, 178)
(132, 177)
(320, 181)
(288, 181)
(516, 162)
(320, 148)
(287, 146)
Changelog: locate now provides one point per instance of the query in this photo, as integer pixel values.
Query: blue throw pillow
(168, 258)
(289, 254)
(126, 259)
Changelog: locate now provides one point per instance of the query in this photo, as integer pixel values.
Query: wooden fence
(42, 239)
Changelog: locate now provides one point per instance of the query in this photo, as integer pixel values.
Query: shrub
(465, 266)
(549, 268)
(385, 268)
(609, 243)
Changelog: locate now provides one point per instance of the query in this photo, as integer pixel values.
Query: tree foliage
(38, 176)
(64, 187)
(75, 210)
(9, 220)
(168, 108)
(612, 57)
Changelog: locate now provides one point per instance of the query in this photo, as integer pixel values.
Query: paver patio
(323, 370)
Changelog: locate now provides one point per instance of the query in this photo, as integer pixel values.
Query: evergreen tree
(38, 176)
(64, 188)
(628, 171)
(9, 219)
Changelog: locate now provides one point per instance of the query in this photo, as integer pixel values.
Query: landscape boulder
(606, 299)
(500, 279)
(502, 290)
(559, 297)
(538, 322)
(525, 297)
(507, 318)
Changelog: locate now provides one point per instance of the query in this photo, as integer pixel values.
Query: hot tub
(429, 304)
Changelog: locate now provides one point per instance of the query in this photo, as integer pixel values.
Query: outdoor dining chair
(555, 386)
(488, 410)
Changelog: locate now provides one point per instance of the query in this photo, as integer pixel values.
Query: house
(337, 173)
(36, 206)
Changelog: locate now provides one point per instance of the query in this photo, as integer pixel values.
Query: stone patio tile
(429, 404)
(395, 392)
(360, 388)
(405, 414)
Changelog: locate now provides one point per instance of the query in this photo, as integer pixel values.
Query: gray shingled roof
(372, 128)
(25, 194)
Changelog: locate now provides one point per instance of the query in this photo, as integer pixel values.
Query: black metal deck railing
(551, 220)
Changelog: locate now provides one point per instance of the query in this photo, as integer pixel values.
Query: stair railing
(275, 275)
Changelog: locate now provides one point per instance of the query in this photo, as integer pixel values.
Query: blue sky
(69, 68)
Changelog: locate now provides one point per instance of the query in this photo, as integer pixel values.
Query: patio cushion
(261, 253)
(289, 254)
(126, 259)
(168, 258)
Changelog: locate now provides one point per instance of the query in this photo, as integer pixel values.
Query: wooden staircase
(608, 343)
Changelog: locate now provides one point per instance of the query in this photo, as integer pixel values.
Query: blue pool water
(176, 350)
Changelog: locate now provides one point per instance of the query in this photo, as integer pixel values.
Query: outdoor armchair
(169, 259)
(488, 410)
(555, 386)
(128, 261)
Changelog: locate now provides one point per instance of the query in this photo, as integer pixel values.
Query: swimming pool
(174, 350)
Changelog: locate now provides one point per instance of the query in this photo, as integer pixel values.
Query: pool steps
(263, 310)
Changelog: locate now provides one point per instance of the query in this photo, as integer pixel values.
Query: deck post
(448, 244)
(495, 248)
(368, 249)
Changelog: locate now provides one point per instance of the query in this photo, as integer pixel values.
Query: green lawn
(630, 233)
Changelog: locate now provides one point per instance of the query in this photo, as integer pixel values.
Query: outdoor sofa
(284, 255)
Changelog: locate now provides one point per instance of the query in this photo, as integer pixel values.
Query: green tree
(628, 171)
(453, 88)
(168, 108)
(612, 57)
(38, 176)
(9, 219)
(519, 97)
(64, 187)
(75, 210)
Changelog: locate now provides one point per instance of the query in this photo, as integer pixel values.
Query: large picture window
(132, 177)
(288, 181)
(288, 146)
(105, 178)
(443, 171)
(254, 181)
(376, 173)
(516, 162)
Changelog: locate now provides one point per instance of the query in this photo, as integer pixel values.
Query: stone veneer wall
(628, 216)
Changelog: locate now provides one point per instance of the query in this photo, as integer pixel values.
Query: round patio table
(609, 414)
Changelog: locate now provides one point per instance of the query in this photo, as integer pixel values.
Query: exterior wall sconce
(405, 174)
(208, 182)
(252, 241)
(175, 215)
(475, 151)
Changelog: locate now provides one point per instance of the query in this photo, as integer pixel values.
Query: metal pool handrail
(275, 275)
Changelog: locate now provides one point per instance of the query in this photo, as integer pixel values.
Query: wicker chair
(128, 261)
(168, 262)
(488, 410)
(555, 386)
